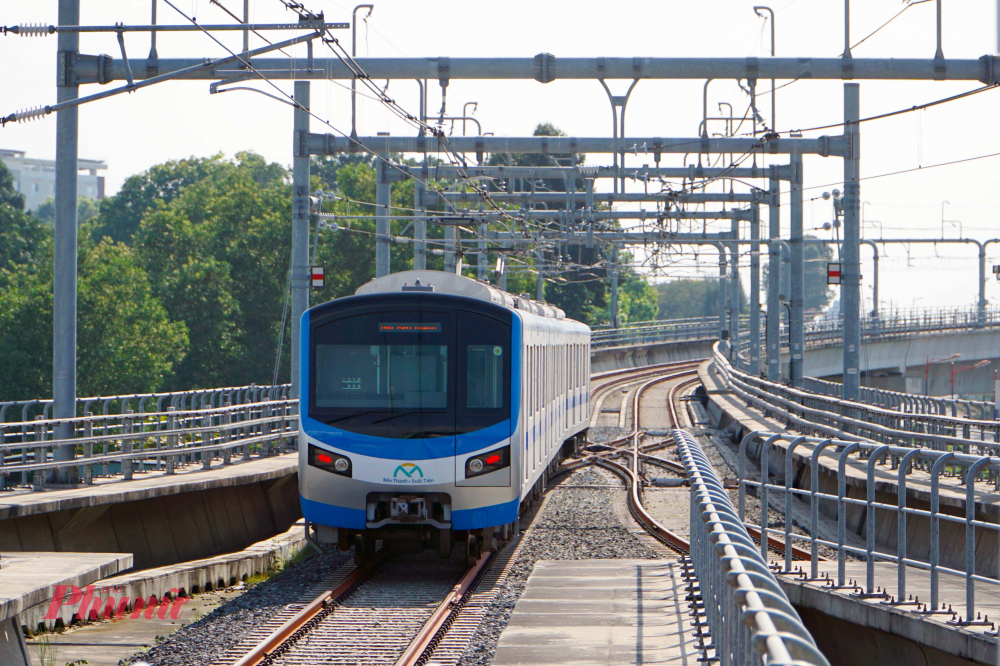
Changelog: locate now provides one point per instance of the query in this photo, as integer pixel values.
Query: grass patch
(278, 565)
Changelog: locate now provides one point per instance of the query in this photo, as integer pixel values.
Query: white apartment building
(36, 178)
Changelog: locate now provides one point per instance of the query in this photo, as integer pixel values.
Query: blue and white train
(433, 407)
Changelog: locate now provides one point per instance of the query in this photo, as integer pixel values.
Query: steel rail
(420, 648)
(297, 626)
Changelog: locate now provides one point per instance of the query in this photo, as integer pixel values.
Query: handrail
(746, 608)
(903, 461)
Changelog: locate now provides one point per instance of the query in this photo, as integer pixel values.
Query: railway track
(406, 609)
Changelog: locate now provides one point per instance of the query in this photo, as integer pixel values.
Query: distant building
(36, 179)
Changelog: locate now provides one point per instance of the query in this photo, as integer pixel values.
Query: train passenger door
(483, 401)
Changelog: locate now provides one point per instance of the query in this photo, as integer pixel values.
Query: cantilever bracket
(128, 67)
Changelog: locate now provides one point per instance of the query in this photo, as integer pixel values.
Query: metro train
(433, 407)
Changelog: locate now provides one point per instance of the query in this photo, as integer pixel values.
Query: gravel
(576, 524)
(204, 641)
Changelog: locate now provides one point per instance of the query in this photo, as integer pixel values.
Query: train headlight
(484, 463)
(328, 461)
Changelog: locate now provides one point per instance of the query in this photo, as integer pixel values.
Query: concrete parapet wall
(178, 580)
(164, 530)
(635, 356)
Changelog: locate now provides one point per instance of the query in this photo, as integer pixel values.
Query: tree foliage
(687, 299)
(86, 209)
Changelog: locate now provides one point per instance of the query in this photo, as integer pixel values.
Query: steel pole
(850, 288)
(734, 292)
(722, 289)
(798, 291)
(774, 278)
(300, 226)
(981, 305)
(614, 287)
(383, 195)
(65, 253)
(755, 290)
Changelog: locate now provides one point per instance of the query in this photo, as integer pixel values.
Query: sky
(176, 120)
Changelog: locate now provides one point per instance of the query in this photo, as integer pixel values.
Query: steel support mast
(65, 253)
(850, 287)
(300, 225)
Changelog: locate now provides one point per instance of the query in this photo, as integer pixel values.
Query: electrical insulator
(28, 115)
(33, 30)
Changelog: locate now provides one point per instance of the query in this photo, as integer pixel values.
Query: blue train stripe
(486, 516)
(332, 515)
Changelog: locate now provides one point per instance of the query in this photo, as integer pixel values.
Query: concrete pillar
(850, 288)
(64, 275)
(383, 193)
(755, 288)
(774, 277)
(798, 295)
(300, 224)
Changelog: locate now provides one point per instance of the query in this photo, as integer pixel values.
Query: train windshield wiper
(396, 416)
(351, 416)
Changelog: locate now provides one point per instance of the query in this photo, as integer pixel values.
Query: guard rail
(820, 414)
(751, 619)
(961, 470)
(181, 400)
(907, 402)
(132, 443)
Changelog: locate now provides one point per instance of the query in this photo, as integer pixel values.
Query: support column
(64, 279)
(981, 305)
(798, 296)
(449, 247)
(300, 224)
(722, 289)
(734, 291)
(614, 287)
(482, 257)
(774, 277)
(755, 289)
(850, 288)
(383, 192)
(420, 221)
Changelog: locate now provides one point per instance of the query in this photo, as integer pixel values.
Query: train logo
(408, 469)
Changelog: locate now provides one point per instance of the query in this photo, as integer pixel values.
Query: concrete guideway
(601, 612)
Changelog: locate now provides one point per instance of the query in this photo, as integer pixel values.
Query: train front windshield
(410, 374)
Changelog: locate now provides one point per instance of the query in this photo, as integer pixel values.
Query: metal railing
(751, 618)
(951, 469)
(907, 402)
(180, 400)
(819, 330)
(132, 443)
(814, 413)
(657, 331)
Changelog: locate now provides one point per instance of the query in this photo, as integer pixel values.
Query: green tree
(8, 193)
(24, 240)
(686, 299)
(86, 209)
(637, 299)
(817, 293)
(127, 343)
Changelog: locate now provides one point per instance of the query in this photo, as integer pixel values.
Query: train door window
(483, 375)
